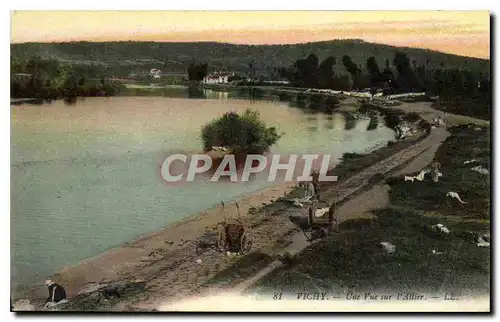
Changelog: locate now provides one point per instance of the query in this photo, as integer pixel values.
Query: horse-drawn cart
(232, 235)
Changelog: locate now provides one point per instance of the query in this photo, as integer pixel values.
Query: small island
(239, 135)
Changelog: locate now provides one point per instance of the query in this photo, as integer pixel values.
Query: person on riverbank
(435, 167)
(57, 293)
(315, 182)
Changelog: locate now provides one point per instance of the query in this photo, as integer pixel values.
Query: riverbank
(271, 90)
(16, 101)
(166, 262)
(170, 254)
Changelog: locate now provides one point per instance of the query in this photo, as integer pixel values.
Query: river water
(85, 177)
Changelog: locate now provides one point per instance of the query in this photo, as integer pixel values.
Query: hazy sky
(458, 32)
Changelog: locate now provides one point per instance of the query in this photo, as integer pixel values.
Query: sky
(465, 33)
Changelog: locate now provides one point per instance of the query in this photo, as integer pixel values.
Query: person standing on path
(332, 217)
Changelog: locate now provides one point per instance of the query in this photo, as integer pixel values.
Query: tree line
(196, 72)
(399, 75)
(123, 58)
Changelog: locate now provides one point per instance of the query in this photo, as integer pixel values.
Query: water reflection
(196, 92)
(251, 93)
(284, 97)
(310, 103)
(310, 111)
(350, 121)
(345, 121)
(211, 94)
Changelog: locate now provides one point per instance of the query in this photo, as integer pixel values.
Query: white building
(217, 78)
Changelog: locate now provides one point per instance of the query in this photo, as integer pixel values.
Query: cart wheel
(221, 238)
(246, 242)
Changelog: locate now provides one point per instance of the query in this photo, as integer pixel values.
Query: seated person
(57, 293)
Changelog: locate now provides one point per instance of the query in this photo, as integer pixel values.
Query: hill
(127, 57)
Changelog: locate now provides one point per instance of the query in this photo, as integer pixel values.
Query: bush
(242, 134)
(392, 120)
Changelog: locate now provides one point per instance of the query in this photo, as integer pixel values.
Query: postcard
(250, 161)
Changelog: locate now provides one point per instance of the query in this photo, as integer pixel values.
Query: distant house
(155, 73)
(218, 78)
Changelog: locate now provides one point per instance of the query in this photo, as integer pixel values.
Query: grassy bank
(465, 144)
(423, 261)
(350, 165)
(247, 266)
(479, 107)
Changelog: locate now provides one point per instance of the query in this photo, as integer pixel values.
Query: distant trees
(406, 80)
(350, 66)
(196, 72)
(307, 71)
(463, 89)
(124, 58)
(47, 78)
(373, 71)
(358, 79)
(387, 74)
(326, 72)
(344, 83)
(403, 75)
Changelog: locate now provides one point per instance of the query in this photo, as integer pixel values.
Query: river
(85, 177)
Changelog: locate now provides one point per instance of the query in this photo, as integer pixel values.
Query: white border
(254, 5)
